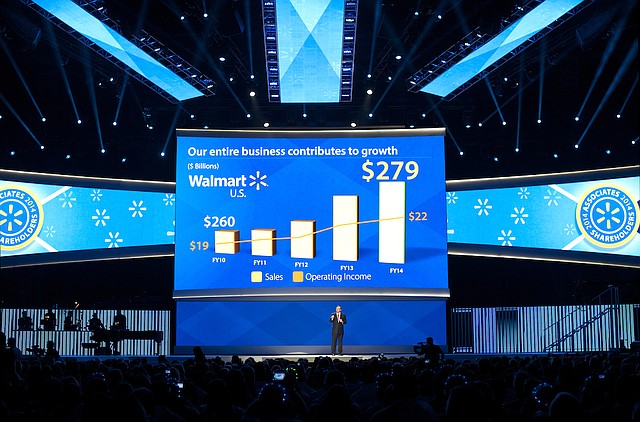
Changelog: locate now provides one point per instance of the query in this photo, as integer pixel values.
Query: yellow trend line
(312, 233)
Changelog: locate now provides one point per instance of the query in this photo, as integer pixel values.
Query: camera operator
(432, 353)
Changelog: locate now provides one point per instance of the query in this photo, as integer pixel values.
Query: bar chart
(345, 229)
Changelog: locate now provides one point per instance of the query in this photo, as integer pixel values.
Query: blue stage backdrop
(284, 327)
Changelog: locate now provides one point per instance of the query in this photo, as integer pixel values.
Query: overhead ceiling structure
(69, 104)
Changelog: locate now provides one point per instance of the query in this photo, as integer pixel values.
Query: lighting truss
(332, 64)
(174, 63)
(476, 56)
(161, 70)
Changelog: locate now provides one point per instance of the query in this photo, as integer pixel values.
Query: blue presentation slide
(339, 209)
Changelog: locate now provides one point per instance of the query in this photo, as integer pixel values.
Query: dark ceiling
(568, 58)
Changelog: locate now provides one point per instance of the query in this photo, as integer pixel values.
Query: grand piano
(112, 337)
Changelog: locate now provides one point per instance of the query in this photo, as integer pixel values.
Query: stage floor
(458, 357)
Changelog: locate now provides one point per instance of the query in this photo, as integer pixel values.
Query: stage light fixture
(162, 154)
(115, 123)
(124, 159)
(423, 115)
(265, 124)
(353, 124)
(205, 15)
(192, 116)
(479, 124)
(618, 116)
(44, 119)
(504, 123)
(495, 159)
(248, 115)
(304, 115)
(68, 156)
(41, 147)
(222, 59)
(608, 152)
(555, 155)
(370, 115)
(369, 91)
(577, 118)
(252, 77)
(461, 152)
(439, 17)
(368, 75)
(13, 153)
(181, 17)
(103, 151)
(79, 121)
(398, 57)
(252, 93)
(576, 146)
(539, 121)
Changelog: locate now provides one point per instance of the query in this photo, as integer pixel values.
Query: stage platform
(457, 357)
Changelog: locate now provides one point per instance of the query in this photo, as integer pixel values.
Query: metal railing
(543, 329)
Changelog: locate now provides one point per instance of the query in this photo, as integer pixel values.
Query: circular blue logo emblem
(21, 217)
(608, 216)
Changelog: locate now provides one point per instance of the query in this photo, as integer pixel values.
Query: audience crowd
(581, 387)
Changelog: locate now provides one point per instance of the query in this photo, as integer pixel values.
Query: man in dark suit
(337, 320)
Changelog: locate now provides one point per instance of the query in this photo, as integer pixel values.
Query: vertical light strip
(345, 227)
(303, 239)
(392, 236)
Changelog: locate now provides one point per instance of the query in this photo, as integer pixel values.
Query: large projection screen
(289, 213)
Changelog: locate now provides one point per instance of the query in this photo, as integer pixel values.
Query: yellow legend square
(256, 276)
(298, 276)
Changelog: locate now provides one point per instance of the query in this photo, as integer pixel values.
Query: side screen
(591, 216)
(322, 210)
(39, 220)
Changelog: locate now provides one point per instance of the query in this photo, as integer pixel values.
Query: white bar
(392, 226)
(226, 241)
(303, 239)
(345, 227)
(263, 242)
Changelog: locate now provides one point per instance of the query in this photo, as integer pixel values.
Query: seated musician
(25, 323)
(95, 324)
(119, 321)
(49, 320)
(68, 324)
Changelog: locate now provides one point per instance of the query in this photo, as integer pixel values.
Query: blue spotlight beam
(19, 73)
(611, 45)
(447, 77)
(94, 102)
(111, 45)
(628, 60)
(15, 114)
(495, 100)
(626, 100)
(63, 73)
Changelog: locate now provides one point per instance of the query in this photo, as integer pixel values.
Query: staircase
(610, 299)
